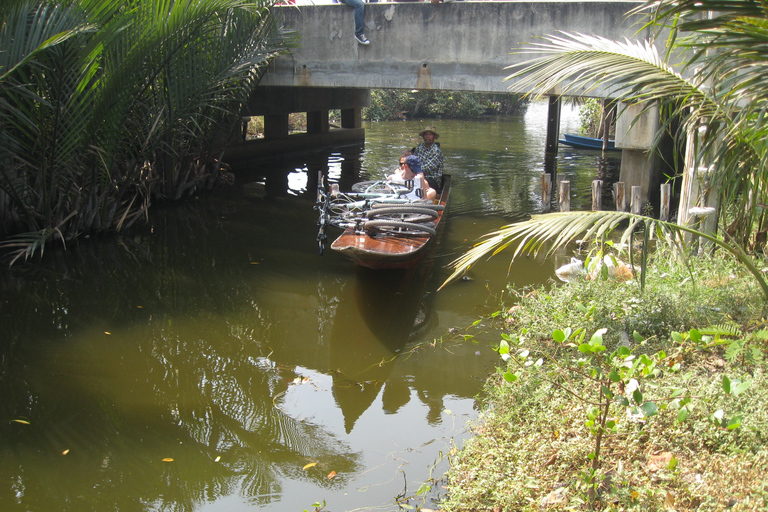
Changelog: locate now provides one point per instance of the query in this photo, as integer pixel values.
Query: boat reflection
(389, 306)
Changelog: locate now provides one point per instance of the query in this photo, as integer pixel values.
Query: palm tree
(712, 78)
(110, 104)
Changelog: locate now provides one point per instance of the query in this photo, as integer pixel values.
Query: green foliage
(388, 104)
(603, 415)
(317, 506)
(107, 105)
(590, 114)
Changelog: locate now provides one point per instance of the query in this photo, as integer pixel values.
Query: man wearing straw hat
(431, 157)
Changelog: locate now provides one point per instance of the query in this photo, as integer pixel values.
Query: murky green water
(212, 361)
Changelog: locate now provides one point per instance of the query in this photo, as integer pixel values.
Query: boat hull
(389, 251)
(581, 142)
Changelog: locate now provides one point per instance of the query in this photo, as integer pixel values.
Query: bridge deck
(418, 45)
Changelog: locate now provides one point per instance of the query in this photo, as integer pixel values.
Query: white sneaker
(362, 39)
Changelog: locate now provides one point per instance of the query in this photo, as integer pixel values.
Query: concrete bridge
(457, 46)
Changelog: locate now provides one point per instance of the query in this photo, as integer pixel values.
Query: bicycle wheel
(399, 227)
(403, 213)
(435, 207)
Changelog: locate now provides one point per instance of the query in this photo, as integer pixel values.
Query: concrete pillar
(351, 117)
(275, 126)
(317, 122)
(636, 128)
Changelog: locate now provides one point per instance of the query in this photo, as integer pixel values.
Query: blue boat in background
(580, 142)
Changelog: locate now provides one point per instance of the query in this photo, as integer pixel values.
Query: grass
(531, 446)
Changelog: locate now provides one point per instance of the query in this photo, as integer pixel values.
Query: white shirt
(417, 192)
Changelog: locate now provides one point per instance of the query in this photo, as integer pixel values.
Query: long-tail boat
(393, 235)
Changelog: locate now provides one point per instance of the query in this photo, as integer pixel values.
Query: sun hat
(414, 163)
(429, 129)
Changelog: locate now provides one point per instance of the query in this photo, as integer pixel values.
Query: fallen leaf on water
(331, 475)
(217, 459)
(23, 422)
(311, 464)
(107, 332)
(65, 451)
(167, 459)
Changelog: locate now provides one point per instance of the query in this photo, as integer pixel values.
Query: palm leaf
(560, 229)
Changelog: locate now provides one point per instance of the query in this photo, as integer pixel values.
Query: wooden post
(564, 197)
(605, 123)
(636, 205)
(546, 191)
(597, 195)
(666, 193)
(620, 196)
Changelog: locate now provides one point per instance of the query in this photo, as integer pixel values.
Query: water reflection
(216, 337)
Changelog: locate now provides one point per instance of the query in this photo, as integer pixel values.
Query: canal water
(211, 360)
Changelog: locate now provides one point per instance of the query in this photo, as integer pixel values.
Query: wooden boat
(581, 142)
(391, 248)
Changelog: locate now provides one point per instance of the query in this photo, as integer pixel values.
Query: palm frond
(560, 229)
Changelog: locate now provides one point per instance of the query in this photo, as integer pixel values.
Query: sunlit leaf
(695, 335)
(649, 409)
(65, 451)
(672, 463)
(23, 422)
(310, 465)
(168, 459)
(740, 387)
(726, 385)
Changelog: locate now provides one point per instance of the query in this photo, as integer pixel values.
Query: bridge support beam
(274, 103)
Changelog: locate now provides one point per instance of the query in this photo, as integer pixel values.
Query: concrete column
(317, 122)
(636, 127)
(275, 126)
(553, 124)
(351, 117)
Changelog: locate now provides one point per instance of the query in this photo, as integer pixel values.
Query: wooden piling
(546, 191)
(666, 197)
(597, 195)
(564, 197)
(620, 196)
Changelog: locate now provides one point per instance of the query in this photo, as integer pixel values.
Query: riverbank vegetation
(392, 104)
(108, 105)
(650, 394)
(607, 398)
